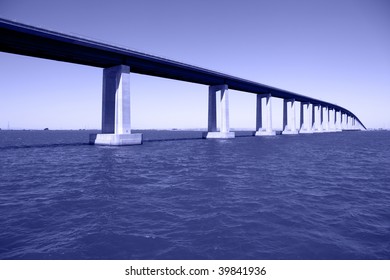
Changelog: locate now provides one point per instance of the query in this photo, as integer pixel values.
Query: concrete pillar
(289, 126)
(306, 118)
(331, 120)
(223, 114)
(338, 120)
(350, 122)
(264, 128)
(301, 115)
(318, 117)
(225, 124)
(343, 121)
(285, 117)
(313, 116)
(212, 120)
(325, 119)
(259, 112)
(354, 125)
(116, 128)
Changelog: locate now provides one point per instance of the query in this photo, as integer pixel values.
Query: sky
(335, 50)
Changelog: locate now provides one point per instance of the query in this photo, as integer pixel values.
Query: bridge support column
(354, 126)
(331, 120)
(289, 126)
(343, 121)
(337, 120)
(349, 122)
(325, 119)
(306, 118)
(318, 117)
(116, 128)
(224, 113)
(264, 130)
(301, 116)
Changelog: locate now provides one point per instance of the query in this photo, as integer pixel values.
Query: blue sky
(334, 50)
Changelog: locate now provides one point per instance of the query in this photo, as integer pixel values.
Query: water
(322, 196)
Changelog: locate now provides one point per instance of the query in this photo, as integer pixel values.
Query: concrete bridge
(315, 115)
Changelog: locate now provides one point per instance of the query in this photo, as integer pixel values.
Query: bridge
(117, 63)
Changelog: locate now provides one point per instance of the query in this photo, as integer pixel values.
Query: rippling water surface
(322, 196)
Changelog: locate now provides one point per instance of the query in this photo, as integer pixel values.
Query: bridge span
(117, 63)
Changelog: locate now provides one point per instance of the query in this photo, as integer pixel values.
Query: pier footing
(265, 133)
(220, 135)
(116, 139)
(305, 131)
(290, 132)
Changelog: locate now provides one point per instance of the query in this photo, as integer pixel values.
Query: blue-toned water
(322, 196)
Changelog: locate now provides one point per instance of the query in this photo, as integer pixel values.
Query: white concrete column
(338, 120)
(307, 116)
(313, 117)
(116, 126)
(301, 116)
(122, 116)
(354, 125)
(289, 126)
(325, 119)
(223, 114)
(225, 124)
(349, 122)
(343, 121)
(318, 119)
(331, 120)
(264, 128)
